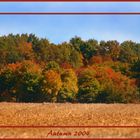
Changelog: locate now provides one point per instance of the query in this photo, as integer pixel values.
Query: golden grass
(52, 114)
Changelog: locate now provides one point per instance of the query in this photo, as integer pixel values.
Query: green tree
(8, 82)
(89, 87)
(130, 52)
(89, 48)
(76, 42)
(29, 80)
(110, 48)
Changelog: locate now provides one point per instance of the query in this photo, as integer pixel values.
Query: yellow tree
(69, 87)
(51, 85)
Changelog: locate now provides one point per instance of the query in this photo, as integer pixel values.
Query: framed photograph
(69, 69)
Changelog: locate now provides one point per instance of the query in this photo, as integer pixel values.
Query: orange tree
(51, 85)
(103, 84)
(115, 86)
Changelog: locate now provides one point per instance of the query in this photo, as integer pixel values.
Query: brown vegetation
(52, 114)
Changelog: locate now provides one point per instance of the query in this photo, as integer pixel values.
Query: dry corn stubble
(51, 114)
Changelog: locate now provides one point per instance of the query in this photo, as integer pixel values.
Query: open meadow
(52, 114)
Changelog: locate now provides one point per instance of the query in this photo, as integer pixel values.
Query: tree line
(33, 69)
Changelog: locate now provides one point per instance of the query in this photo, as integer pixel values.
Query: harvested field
(50, 114)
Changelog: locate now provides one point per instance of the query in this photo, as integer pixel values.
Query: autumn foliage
(35, 70)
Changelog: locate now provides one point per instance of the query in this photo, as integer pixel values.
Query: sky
(60, 28)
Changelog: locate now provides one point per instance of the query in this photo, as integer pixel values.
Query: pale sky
(59, 28)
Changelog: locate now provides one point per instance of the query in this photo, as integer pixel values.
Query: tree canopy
(33, 69)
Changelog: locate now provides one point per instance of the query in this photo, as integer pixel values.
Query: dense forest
(34, 70)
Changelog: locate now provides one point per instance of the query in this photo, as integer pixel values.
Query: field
(50, 114)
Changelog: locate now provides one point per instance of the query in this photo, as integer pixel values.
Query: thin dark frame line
(69, 13)
(37, 126)
(85, 138)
